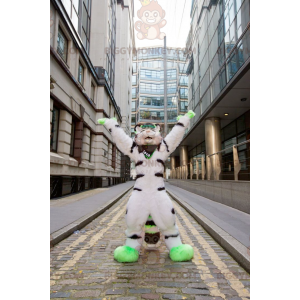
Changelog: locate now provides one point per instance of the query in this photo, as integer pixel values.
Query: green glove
(115, 119)
(190, 114)
(179, 117)
(102, 121)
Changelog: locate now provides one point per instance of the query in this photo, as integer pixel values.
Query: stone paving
(83, 267)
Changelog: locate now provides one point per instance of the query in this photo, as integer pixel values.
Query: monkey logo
(152, 16)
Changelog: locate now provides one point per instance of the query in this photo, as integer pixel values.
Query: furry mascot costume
(149, 200)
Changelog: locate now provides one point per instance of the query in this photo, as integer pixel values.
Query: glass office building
(218, 69)
(148, 87)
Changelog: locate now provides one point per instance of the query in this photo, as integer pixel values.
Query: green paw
(126, 254)
(190, 114)
(182, 253)
(178, 118)
(102, 121)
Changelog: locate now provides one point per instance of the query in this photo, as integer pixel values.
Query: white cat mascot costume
(149, 199)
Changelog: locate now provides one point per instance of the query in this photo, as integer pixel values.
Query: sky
(177, 27)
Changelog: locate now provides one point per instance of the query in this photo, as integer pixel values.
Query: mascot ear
(157, 128)
(137, 129)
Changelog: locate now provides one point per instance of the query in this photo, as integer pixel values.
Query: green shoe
(126, 254)
(182, 253)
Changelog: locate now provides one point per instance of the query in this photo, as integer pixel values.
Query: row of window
(151, 53)
(158, 102)
(158, 115)
(233, 64)
(54, 138)
(157, 75)
(154, 88)
(62, 50)
(159, 64)
(54, 134)
(158, 89)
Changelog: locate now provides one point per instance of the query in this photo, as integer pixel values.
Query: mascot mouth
(148, 139)
(150, 20)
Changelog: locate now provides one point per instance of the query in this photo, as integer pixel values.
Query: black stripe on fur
(166, 145)
(133, 145)
(179, 124)
(135, 237)
(161, 161)
(139, 176)
(117, 126)
(173, 211)
(161, 189)
(170, 236)
(136, 189)
(140, 162)
(159, 174)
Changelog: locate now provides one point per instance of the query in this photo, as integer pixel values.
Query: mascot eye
(146, 14)
(148, 126)
(155, 14)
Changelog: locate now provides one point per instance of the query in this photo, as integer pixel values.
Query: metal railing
(212, 166)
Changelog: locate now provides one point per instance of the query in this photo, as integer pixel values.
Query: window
(80, 73)
(133, 106)
(62, 45)
(72, 139)
(93, 92)
(172, 115)
(183, 80)
(86, 24)
(183, 93)
(134, 80)
(90, 151)
(183, 106)
(113, 160)
(110, 59)
(75, 13)
(133, 92)
(133, 120)
(54, 129)
(134, 67)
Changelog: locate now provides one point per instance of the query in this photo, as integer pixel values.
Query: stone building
(84, 87)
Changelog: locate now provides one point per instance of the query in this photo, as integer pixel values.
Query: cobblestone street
(83, 267)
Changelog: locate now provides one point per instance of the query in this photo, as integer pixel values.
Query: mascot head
(147, 134)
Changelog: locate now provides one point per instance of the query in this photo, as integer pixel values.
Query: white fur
(149, 201)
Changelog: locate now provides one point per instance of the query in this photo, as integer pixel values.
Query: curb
(236, 249)
(66, 231)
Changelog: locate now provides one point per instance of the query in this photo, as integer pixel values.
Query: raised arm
(122, 140)
(173, 139)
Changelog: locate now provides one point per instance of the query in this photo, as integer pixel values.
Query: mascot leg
(163, 214)
(136, 217)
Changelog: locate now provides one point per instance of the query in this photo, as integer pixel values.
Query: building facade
(218, 69)
(84, 35)
(148, 87)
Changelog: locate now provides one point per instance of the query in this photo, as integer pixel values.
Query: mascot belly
(150, 213)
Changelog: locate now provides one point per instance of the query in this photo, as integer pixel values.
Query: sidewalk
(229, 226)
(83, 267)
(67, 212)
